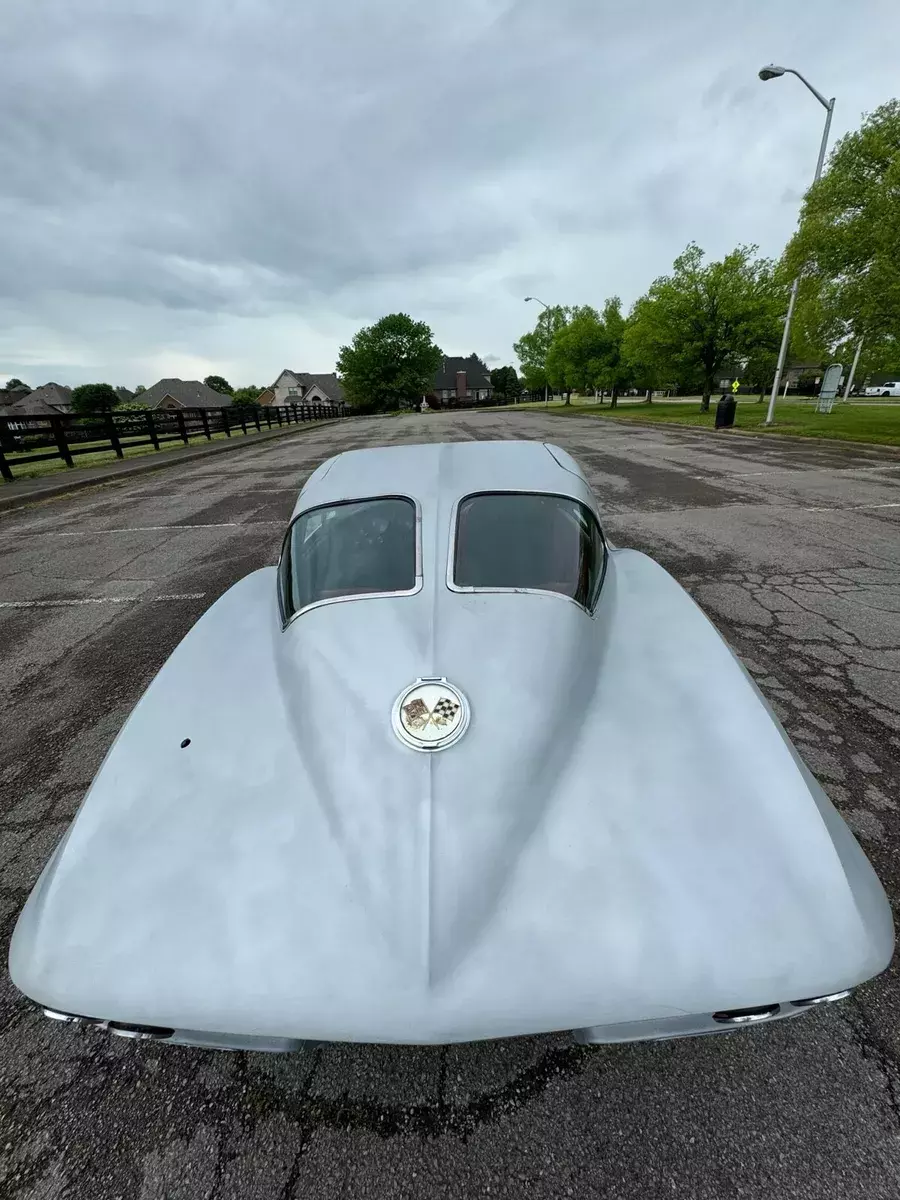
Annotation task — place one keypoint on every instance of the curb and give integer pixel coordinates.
(701, 431)
(142, 466)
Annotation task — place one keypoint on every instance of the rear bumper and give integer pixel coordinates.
(697, 1025)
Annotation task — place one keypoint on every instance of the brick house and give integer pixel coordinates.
(463, 381)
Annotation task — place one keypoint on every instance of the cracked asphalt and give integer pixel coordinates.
(792, 548)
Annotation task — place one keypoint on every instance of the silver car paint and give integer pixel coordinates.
(623, 841)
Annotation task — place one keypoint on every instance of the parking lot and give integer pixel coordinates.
(792, 548)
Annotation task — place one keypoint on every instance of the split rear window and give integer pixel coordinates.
(523, 541)
(358, 548)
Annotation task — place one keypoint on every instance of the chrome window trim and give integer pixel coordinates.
(356, 596)
(469, 591)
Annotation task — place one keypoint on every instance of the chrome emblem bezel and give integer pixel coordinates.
(431, 714)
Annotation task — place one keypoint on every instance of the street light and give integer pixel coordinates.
(774, 72)
(547, 309)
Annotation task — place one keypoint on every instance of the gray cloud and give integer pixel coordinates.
(242, 183)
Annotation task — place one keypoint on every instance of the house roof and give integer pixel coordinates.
(477, 374)
(25, 404)
(191, 393)
(54, 397)
(329, 384)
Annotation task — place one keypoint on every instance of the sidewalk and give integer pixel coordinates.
(61, 483)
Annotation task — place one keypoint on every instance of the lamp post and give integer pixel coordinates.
(773, 72)
(546, 388)
(859, 346)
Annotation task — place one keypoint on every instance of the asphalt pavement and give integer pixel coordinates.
(793, 549)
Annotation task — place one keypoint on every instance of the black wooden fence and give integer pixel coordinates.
(35, 439)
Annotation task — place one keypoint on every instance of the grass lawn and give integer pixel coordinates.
(846, 422)
(101, 458)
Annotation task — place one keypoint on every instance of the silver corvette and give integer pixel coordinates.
(455, 769)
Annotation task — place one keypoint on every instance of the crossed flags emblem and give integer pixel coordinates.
(419, 716)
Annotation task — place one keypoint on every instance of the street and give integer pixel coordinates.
(792, 548)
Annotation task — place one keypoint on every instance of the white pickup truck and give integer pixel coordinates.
(884, 389)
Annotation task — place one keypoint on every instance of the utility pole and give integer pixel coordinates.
(773, 72)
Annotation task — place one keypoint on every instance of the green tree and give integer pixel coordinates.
(219, 384)
(849, 234)
(616, 371)
(821, 333)
(576, 355)
(16, 385)
(818, 325)
(140, 388)
(758, 371)
(880, 356)
(691, 322)
(388, 364)
(505, 382)
(533, 347)
(247, 396)
(94, 397)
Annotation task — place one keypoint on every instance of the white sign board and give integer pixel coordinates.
(829, 388)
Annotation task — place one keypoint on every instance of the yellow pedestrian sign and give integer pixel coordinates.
(735, 384)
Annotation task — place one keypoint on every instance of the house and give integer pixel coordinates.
(25, 410)
(796, 370)
(304, 387)
(27, 404)
(51, 399)
(877, 378)
(463, 380)
(183, 393)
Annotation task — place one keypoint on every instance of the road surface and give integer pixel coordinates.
(792, 548)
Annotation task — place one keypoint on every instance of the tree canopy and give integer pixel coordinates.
(505, 382)
(849, 232)
(247, 396)
(692, 322)
(16, 385)
(533, 347)
(576, 355)
(616, 371)
(219, 384)
(94, 397)
(388, 364)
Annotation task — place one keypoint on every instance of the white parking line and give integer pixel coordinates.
(853, 507)
(136, 528)
(99, 600)
(157, 528)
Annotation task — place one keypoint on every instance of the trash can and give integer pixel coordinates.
(725, 411)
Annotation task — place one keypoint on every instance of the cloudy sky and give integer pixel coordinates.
(189, 186)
